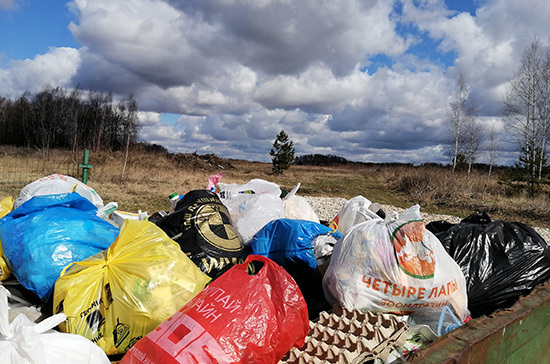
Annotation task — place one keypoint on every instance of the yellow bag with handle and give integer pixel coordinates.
(122, 293)
(6, 205)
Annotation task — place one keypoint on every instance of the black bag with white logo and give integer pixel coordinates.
(202, 227)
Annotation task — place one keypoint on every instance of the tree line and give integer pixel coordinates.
(56, 118)
(526, 113)
(320, 160)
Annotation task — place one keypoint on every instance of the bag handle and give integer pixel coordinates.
(49, 323)
(255, 258)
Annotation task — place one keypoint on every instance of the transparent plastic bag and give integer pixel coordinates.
(56, 184)
(296, 207)
(251, 205)
(25, 342)
(394, 265)
(355, 211)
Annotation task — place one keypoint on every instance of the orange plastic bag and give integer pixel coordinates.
(122, 293)
(238, 318)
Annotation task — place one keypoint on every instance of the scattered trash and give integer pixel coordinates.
(6, 206)
(213, 181)
(288, 242)
(122, 293)
(394, 265)
(291, 244)
(56, 184)
(238, 318)
(47, 232)
(251, 211)
(501, 260)
(106, 211)
(118, 217)
(349, 336)
(245, 273)
(356, 210)
(24, 342)
(296, 207)
(440, 320)
(202, 227)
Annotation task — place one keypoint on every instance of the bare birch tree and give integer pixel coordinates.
(473, 134)
(526, 109)
(456, 114)
(492, 147)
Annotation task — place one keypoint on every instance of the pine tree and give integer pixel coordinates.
(282, 153)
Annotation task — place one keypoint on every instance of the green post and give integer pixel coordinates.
(85, 166)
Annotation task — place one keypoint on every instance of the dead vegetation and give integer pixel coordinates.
(150, 177)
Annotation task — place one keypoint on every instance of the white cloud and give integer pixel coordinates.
(54, 68)
(240, 71)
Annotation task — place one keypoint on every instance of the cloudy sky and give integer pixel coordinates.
(365, 80)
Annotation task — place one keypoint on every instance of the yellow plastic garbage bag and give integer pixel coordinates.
(6, 205)
(122, 293)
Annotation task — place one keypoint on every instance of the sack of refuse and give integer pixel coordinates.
(24, 342)
(394, 265)
(201, 225)
(298, 246)
(122, 293)
(6, 206)
(239, 318)
(297, 208)
(251, 205)
(289, 242)
(55, 184)
(356, 210)
(46, 233)
(501, 261)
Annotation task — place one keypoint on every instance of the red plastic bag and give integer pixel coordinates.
(238, 318)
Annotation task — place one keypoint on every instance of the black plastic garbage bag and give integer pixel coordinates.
(202, 227)
(501, 261)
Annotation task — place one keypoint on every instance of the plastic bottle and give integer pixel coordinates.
(441, 320)
(107, 210)
(228, 195)
(174, 198)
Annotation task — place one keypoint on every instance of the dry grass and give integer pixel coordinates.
(149, 178)
(440, 190)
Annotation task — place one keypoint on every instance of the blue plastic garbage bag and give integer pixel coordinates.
(289, 241)
(46, 233)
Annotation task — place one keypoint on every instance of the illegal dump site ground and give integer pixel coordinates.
(356, 289)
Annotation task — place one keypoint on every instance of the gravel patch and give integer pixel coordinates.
(327, 208)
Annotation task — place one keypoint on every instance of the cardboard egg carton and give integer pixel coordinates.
(348, 337)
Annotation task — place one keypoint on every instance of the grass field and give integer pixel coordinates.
(146, 179)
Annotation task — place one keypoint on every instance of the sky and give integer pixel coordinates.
(369, 81)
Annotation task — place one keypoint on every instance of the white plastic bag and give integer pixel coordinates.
(56, 184)
(251, 205)
(25, 342)
(355, 210)
(394, 265)
(297, 207)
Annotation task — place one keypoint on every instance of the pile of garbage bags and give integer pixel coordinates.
(236, 273)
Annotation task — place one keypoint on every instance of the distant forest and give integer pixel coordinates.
(329, 160)
(320, 160)
(54, 118)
